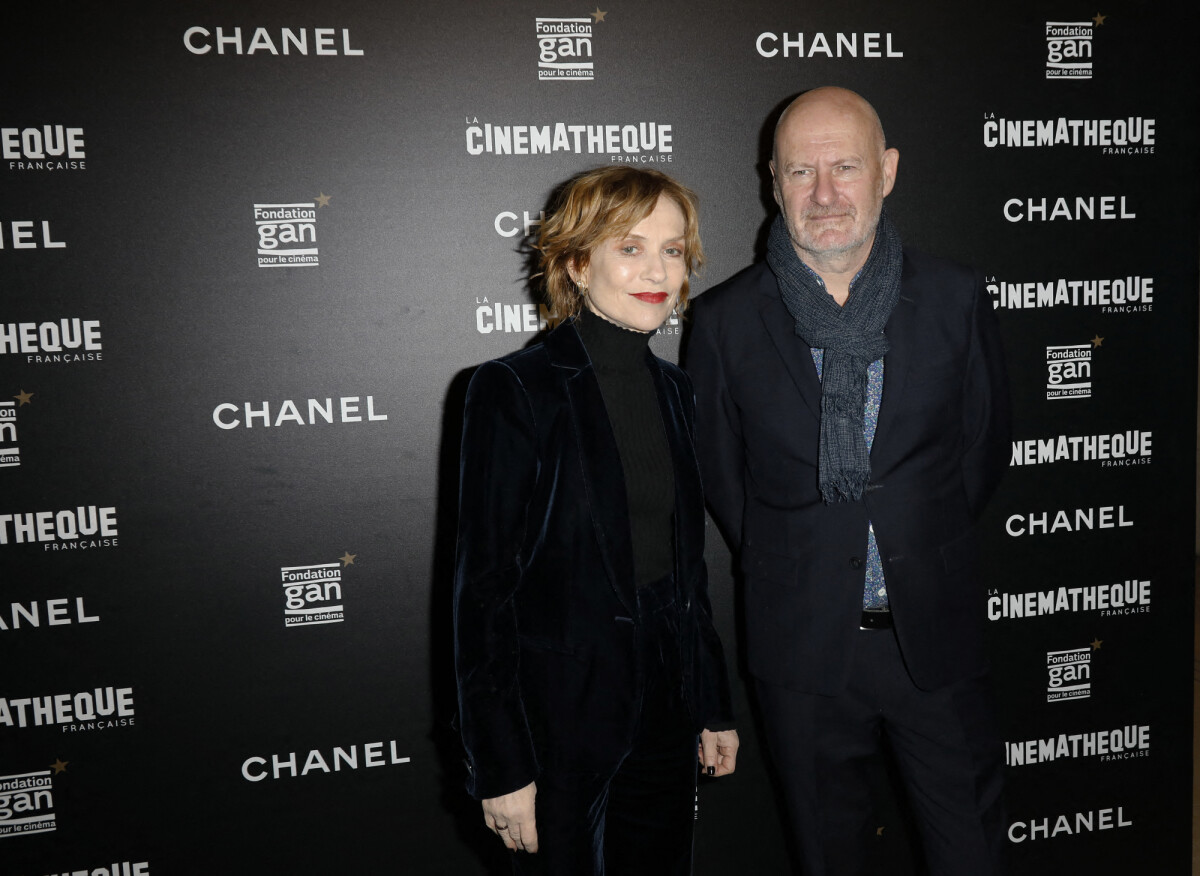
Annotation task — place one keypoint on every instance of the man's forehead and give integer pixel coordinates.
(823, 131)
(847, 139)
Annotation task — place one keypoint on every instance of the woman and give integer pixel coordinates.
(586, 656)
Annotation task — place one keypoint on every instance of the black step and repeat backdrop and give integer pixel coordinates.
(249, 253)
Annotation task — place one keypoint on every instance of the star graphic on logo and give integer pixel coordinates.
(59, 765)
(322, 200)
(598, 15)
(348, 558)
(23, 398)
(1096, 644)
(1097, 341)
(1099, 19)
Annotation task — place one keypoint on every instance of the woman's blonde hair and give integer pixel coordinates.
(599, 205)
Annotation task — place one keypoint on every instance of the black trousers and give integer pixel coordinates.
(634, 816)
(945, 743)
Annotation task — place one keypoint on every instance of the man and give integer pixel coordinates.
(852, 422)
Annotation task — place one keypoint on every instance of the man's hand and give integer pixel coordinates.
(718, 751)
(510, 817)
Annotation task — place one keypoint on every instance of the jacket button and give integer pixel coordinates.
(855, 563)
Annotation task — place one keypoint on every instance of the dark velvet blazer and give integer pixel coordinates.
(940, 447)
(544, 598)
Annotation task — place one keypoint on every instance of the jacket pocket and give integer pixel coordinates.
(960, 552)
(771, 567)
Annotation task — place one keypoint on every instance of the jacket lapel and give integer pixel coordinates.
(796, 355)
(898, 361)
(599, 459)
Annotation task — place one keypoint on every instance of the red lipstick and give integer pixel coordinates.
(651, 297)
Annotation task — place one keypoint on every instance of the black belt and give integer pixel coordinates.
(876, 620)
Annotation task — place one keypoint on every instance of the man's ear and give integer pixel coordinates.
(891, 160)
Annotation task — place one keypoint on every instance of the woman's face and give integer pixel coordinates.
(634, 281)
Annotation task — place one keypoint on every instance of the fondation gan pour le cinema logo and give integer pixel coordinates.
(287, 233)
(27, 803)
(564, 47)
(1069, 48)
(312, 594)
(1069, 673)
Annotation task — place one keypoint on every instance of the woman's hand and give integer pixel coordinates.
(718, 751)
(510, 817)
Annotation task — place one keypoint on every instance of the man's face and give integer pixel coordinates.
(831, 175)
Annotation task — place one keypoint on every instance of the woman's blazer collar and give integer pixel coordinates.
(600, 458)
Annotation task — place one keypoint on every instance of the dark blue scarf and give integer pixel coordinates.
(852, 338)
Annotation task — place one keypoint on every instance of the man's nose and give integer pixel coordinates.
(824, 191)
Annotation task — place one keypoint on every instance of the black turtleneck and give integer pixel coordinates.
(619, 357)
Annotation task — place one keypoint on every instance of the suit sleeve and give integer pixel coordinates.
(987, 419)
(497, 472)
(716, 707)
(719, 444)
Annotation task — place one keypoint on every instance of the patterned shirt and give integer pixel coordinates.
(875, 588)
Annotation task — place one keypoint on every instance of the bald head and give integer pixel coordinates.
(830, 102)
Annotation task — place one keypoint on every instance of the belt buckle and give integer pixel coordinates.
(876, 620)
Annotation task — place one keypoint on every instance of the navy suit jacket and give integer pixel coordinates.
(545, 605)
(941, 445)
